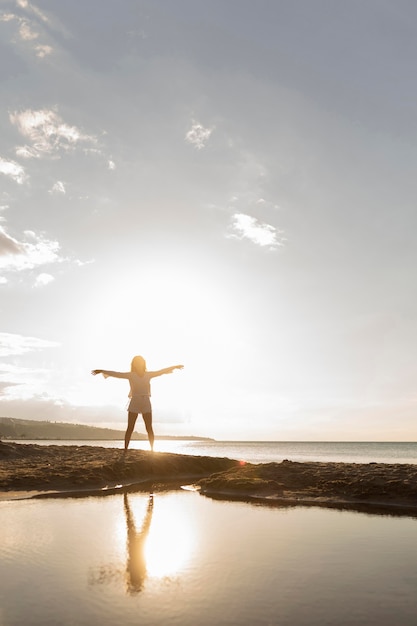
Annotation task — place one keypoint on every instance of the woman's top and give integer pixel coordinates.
(139, 385)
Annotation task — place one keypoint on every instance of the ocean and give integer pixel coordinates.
(274, 451)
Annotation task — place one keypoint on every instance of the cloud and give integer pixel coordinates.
(247, 227)
(42, 50)
(32, 252)
(250, 199)
(17, 381)
(28, 31)
(198, 135)
(25, 152)
(8, 245)
(58, 187)
(47, 132)
(13, 170)
(24, 4)
(43, 279)
(7, 17)
(15, 345)
(5, 385)
(18, 255)
(111, 165)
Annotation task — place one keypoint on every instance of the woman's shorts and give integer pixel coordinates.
(140, 404)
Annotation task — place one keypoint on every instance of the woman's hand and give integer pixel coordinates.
(95, 372)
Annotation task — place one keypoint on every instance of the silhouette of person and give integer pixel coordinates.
(136, 562)
(140, 394)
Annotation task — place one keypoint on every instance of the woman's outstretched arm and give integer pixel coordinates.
(107, 373)
(166, 370)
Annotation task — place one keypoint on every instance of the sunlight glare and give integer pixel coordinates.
(168, 545)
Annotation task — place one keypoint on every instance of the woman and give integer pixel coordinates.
(140, 393)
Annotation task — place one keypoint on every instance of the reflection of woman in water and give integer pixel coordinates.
(140, 392)
(136, 562)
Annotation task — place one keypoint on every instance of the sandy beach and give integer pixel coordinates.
(29, 470)
(353, 485)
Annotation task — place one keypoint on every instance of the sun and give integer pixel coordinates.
(166, 312)
(169, 314)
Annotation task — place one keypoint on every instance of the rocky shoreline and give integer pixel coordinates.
(31, 470)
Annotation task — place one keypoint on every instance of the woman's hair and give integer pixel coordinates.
(138, 365)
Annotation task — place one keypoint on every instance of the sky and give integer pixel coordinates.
(228, 185)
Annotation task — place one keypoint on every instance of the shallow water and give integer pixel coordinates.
(180, 558)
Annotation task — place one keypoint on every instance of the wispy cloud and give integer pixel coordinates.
(13, 170)
(26, 33)
(5, 385)
(32, 8)
(252, 199)
(247, 227)
(13, 345)
(47, 132)
(31, 252)
(8, 245)
(198, 135)
(43, 279)
(21, 255)
(25, 152)
(7, 17)
(28, 28)
(42, 50)
(58, 188)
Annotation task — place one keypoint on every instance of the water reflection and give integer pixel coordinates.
(135, 571)
(157, 545)
(205, 563)
(136, 541)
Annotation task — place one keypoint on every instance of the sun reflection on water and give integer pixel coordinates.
(168, 546)
(160, 546)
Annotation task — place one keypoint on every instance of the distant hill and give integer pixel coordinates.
(11, 428)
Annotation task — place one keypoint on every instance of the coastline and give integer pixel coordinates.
(369, 487)
(32, 470)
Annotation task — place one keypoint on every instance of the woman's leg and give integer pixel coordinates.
(147, 418)
(131, 421)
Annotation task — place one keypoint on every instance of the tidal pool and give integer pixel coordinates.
(179, 558)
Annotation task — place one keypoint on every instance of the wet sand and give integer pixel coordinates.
(370, 484)
(28, 470)
(33, 470)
